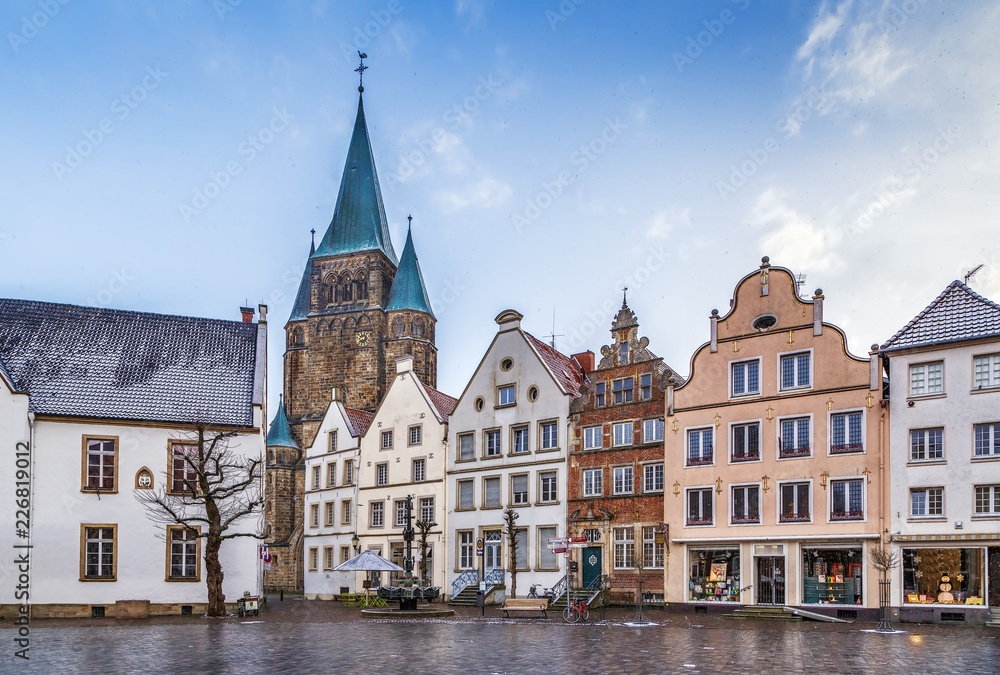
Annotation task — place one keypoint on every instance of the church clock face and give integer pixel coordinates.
(363, 338)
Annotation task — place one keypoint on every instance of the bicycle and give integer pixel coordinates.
(576, 610)
(546, 593)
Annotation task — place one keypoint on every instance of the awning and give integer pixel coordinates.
(945, 537)
(368, 561)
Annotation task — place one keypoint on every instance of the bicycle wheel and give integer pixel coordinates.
(571, 614)
(585, 612)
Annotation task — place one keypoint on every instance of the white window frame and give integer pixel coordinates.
(506, 395)
(548, 494)
(992, 492)
(925, 432)
(490, 449)
(459, 438)
(924, 387)
(846, 413)
(780, 372)
(425, 509)
(649, 472)
(653, 553)
(348, 472)
(387, 439)
(812, 499)
(520, 431)
(863, 480)
(382, 474)
(376, 513)
(623, 434)
(991, 372)
(593, 482)
(732, 441)
(499, 504)
(419, 470)
(732, 503)
(466, 541)
(623, 550)
(779, 436)
(700, 489)
(733, 365)
(345, 512)
(332, 447)
(459, 506)
(331, 474)
(399, 509)
(926, 515)
(593, 438)
(317, 472)
(992, 441)
(518, 498)
(544, 441)
(701, 446)
(627, 477)
(652, 430)
(415, 435)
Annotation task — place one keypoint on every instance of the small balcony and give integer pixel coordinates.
(748, 457)
(846, 448)
(699, 461)
(786, 452)
(746, 520)
(698, 521)
(847, 515)
(793, 518)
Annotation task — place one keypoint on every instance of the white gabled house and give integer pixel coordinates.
(107, 400)
(944, 466)
(331, 499)
(507, 446)
(403, 454)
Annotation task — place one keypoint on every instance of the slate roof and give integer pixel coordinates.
(959, 313)
(359, 420)
(562, 367)
(116, 364)
(300, 310)
(359, 222)
(280, 434)
(408, 290)
(442, 402)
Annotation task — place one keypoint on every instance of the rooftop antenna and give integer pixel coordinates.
(553, 335)
(800, 279)
(971, 273)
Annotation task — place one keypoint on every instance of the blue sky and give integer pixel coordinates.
(549, 152)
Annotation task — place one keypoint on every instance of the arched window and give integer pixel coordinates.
(270, 456)
(298, 337)
(281, 458)
(361, 287)
(418, 327)
(623, 353)
(346, 288)
(398, 327)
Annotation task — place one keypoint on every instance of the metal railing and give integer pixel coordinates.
(495, 577)
(464, 580)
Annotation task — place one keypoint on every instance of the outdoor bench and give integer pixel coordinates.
(525, 605)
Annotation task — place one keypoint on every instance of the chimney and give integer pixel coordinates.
(714, 330)
(247, 313)
(586, 360)
(818, 312)
(333, 395)
(262, 309)
(876, 375)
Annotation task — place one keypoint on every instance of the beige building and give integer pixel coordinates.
(773, 453)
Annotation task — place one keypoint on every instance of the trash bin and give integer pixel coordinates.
(480, 598)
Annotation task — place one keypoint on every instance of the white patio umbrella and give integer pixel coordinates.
(368, 561)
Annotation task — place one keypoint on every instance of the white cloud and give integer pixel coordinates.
(665, 220)
(473, 11)
(824, 30)
(488, 193)
(792, 239)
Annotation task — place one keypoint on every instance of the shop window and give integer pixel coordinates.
(714, 575)
(832, 576)
(946, 576)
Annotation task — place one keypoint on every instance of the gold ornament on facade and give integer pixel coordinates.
(822, 479)
(871, 400)
(866, 473)
(677, 488)
(674, 425)
(790, 340)
(718, 420)
(770, 413)
(736, 346)
(829, 404)
(765, 479)
(718, 486)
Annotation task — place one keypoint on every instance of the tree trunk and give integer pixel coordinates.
(213, 568)
(513, 583)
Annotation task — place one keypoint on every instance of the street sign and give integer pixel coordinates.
(479, 546)
(557, 549)
(562, 541)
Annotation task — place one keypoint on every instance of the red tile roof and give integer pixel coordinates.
(445, 404)
(563, 368)
(360, 420)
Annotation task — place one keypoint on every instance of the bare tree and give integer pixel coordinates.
(510, 517)
(210, 490)
(884, 560)
(423, 532)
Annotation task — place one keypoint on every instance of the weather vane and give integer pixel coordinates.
(360, 70)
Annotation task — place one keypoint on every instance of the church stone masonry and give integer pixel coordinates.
(357, 310)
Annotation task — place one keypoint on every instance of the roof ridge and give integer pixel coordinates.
(135, 312)
(958, 291)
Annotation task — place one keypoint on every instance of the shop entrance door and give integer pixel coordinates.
(770, 580)
(993, 576)
(591, 565)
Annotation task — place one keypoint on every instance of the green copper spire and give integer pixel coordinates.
(300, 310)
(280, 434)
(408, 290)
(359, 222)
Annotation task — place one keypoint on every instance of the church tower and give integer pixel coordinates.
(339, 334)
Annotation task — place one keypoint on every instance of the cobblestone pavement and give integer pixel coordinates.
(313, 637)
